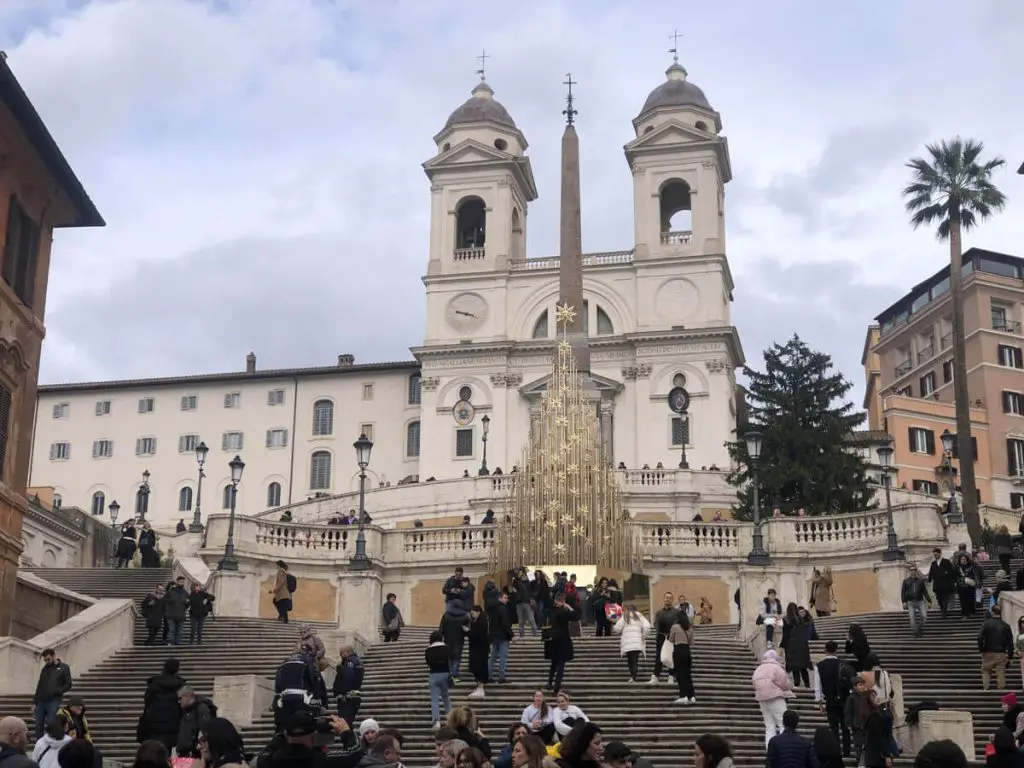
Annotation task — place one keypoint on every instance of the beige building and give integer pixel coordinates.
(912, 363)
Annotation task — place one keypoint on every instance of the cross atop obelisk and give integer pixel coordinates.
(570, 265)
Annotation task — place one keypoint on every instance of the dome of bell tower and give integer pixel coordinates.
(481, 107)
(675, 93)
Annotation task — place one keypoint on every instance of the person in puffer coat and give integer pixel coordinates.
(771, 689)
(161, 716)
(633, 629)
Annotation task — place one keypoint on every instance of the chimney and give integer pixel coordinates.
(250, 363)
(344, 361)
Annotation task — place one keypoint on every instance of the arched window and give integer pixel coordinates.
(466, 393)
(676, 216)
(414, 389)
(57, 501)
(412, 439)
(540, 328)
(604, 323)
(225, 501)
(320, 471)
(140, 503)
(700, 125)
(185, 499)
(517, 235)
(679, 380)
(323, 417)
(274, 495)
(99, 503)
(470, 224)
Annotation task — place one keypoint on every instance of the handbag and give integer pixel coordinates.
(833, 604)
(666, 655)
(968, 582)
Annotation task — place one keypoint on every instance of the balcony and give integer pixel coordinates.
(468, 254)
(680, 237)
(946, 341)
(926, 353)
(903, 368)
(1006, 326)
(589, 260)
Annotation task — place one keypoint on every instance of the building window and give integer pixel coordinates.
(604, 323)
(955, 453)
(680, 431)
(233, 400)
(189, 402)
(1015, 457)
(274, 495)
(58, 501)
(21, 252)
(947, 372)
(414, 389)
(679, 380)
(464, 443)
(277, 438)
(367, 391)
(320, 471)
(5, 423)
(906, 391)
(927, 383)
(540, 328)
(141, 503)
(188, 443)
(60, 451)
(229, 492)
(275, 397)
(1013, 402)
(921, 440)
(146, 405)
(925, 486)
(1017, 501)
(102, 407)
(99, 503)
(102, 449)
(366, 429)
(412, 440)
(323, 417)
(231, 441)
(466, 393)
(185, 499)
(145, 446)
(61, 410)
(999, 317)
(1010, 357)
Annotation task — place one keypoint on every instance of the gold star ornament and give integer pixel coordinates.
(564, 314)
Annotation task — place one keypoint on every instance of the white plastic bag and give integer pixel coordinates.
(666, 655)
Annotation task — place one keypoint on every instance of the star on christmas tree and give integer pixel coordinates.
(564, 314)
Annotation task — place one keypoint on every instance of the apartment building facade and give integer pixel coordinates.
(913, 377)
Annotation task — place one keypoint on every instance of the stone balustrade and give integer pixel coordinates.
(676, 541)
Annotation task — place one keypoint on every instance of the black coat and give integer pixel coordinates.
(479, 647)
(941, 576)
(162, 713)
(499, 621)
(796, 640)
(835, 686)
(126, 544)
(200, 603)
(791, 750)
(876, 742)
(153, 610)
(558, 642)
(475, 741)
(860, 649)
(176, 603)
(995, 637)
(54, 681)
(193, 718)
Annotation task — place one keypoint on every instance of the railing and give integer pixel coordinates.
(466, 537)
(680, 237)
(666, 539)
(903, 368)
(1006, 326)
(503, 483)
(926, 353)
(588, 259)
(860, 528)
(468, 254)
(658, 476)
(298, 536)
(946, 341)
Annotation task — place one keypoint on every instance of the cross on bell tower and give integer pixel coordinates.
(674, 50)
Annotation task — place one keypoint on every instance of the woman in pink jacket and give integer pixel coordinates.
(771, 689)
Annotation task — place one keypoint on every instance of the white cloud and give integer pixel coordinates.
(258, 162)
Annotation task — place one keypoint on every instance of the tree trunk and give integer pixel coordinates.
(960, 394)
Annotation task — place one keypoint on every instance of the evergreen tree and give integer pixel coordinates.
(798, 404)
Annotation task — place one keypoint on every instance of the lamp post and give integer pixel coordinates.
(486, 422)
(197, 523)
(758, 554)
(363, 446)
(114, 508)
(144, 490)
(229, 562)
(952, 509)
(892, 553)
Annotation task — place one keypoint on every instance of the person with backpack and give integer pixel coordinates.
(284, 587)
(196, 713)
(391, 620)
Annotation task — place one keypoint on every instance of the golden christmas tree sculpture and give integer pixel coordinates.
(564, 507)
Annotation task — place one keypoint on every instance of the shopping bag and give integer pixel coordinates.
(666, 654)
(613, 611)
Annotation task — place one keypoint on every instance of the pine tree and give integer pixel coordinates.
(798, 404)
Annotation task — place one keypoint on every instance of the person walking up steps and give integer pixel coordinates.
(663, 621)
(996, 644)
(942, 579)
(914, 594)
(559, 648)
(771, 689)
(438, 677)
(499, 622)
(681, 637)
(479, 650)
(633, 629)
(797, 633)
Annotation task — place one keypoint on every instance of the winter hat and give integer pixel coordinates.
(369, 724)
(1000, 574)
(1010, 699)
(771, 656)
(76, 701)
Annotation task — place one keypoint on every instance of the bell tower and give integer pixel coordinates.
(481, 184)
(680, 164)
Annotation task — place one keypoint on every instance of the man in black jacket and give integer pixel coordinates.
(297, 685)
(663, 621)
(296, 747)
(789, 749)
(500, 621)
(995, 641)
(914, 594)
(176, 603)
(347, 684)
(835, 687)
(196, 712)
(200, 605)
(942, 579)
(54, 682)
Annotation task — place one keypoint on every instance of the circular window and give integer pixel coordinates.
(501, 144)
(466, 393)
(679, 380)
(446, 147)
(648, 129)
(701, 125)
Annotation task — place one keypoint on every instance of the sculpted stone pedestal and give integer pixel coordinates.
(360, 598)
(890, 577)
(237, 593)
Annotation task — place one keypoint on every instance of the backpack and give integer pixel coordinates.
(292, 582)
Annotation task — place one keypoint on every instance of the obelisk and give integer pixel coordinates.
(570, 266)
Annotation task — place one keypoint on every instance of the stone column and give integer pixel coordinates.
(237, 593)
(607, 441)
(360, 598)
(890, 583)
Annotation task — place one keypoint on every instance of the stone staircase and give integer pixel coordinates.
(100, 583)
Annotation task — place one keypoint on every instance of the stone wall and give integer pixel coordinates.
(40, 606)
(314, 600)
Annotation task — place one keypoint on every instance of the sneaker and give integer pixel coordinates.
(436, 726)
(631, 681)
(456, 679)
(477, 694)
(653, 681)
(682, 700)
(693, 700)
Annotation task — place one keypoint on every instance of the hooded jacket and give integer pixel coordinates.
(47, 749)
(162, 713)
(80, 723)
(634, 634)
(770, 679)
(193, 718)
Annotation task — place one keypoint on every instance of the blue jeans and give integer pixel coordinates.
(455, 656)
(499, 658)
(195, 628)
(174, 631)
(44, 711)
(439, 695)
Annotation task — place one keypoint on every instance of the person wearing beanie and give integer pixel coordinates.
(368, 730)
(73, 715)
(1013, 715)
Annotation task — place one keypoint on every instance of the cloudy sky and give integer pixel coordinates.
(258, 161)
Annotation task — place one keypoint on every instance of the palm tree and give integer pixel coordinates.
(953, 188)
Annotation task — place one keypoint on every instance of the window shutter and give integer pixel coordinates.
(284, 437)
(95, 449)
(1018, 358)
(27, 279)
(224, 441)
(13, 236)
(929, 441)
(138, 446)
(1011, 464)
(181, 444)
(227, 401)
(270, 437)
(99, 407)
(974, 447)
(271, 400)
(910, 439)
(1006, 401)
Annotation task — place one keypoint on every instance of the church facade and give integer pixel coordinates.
(656, 316)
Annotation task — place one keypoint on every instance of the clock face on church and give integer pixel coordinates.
(466, 312)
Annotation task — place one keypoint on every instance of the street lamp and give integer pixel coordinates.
(144, 490)
(197, 524)
(952, 510)
(229, 562)
(486, 422)
(892, 552)
(114, 508)
(363, 446)
(758, 554)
